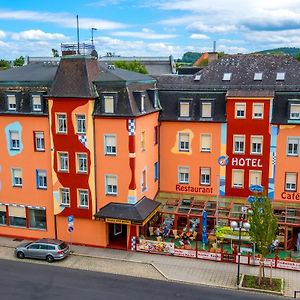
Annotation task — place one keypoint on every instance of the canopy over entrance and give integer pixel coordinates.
(123, 213)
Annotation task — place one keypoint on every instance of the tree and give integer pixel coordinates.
(190, 57)
(4, 64)
(55, 52)
(19, 62)
(297, 56)
(263, 228)
(134, 66)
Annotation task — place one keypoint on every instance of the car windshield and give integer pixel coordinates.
(62, 246)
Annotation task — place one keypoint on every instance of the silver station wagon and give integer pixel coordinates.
(47, 249)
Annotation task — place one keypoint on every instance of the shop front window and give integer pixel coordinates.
(37, 218)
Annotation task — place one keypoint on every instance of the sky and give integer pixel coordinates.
(148, 28)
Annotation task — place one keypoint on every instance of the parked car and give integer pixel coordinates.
(47, 249)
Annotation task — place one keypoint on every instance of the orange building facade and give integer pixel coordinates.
(92, 155)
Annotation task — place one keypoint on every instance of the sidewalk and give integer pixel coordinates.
(188, 270)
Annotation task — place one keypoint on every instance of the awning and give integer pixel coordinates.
(123, 213)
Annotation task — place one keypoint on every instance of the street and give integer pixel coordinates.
(25, 280)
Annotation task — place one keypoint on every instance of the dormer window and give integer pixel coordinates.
(226, 76)
(258, 76)
(12, 103)
(36, 102)
(142, 103)
(109, 104)
(280, 76)
(295, 111)
(184, 109)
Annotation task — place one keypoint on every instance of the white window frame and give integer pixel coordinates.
(11, 102)
(61, 119)
(39, 138)
(109, 104)
(183, 175)
(64, 195)
(17, 180)
(205, 176)
(183, 142)
(256, 140)
(205, 147)
(292, 185)
(36, 102)
(237, 109)
(294, 149)
(63, 161)
(257, 175)
(83, 198)
(111, 188)
(294, 115)
(184, 109)
(82, 162)
(81, 123)
(257, 114)
(241, 140)
(110, 144)
(204, 113)
(41, 178)
(15, 142)
(238, 184)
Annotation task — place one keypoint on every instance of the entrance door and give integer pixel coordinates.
(117, 236)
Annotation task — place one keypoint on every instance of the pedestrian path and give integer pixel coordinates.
(189, 270)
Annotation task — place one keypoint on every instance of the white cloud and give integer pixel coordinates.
(199, 36)
(144, 34)
(62, 19)
(2, 34)
(37, 35)
(104, 3)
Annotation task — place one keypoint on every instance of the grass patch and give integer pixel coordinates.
(252, 282)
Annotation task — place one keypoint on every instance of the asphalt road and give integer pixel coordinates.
(23, 280)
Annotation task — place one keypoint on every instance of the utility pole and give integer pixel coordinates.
(77, 35)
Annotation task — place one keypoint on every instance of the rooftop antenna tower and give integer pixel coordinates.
(77, 35)
(93, 29)
(215, 46)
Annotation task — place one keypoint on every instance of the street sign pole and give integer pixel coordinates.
(70, 228)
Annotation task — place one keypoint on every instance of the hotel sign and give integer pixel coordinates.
(248, 162)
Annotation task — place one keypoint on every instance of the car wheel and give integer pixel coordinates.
(49, 258)
(20, 255)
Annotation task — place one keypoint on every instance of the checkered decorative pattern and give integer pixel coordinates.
(273, 158)
(83, 140)
(133, 243)
(131, 126)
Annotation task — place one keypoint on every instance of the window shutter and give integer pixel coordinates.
(184, 109)
(184, 137)
(2, 207)
(111, 180)
(291, 178)
(11, 99)
(255, 177)
(238, 177)
(109, 104)
(18, 173)
(206, 110)
(295, 108)
(110, 141)
(17, 212)
(36, 100)
(258, 109)
(14, 135)
(205, 142)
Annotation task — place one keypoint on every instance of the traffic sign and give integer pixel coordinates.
(251, 199)
(71, 221)
(256, 188)
(71, 229)
(223, 160)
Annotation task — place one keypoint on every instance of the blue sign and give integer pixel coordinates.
(71, 228)
(256, 188)
(70, 220)
(223, 160)
(204, 227)
(251, 199)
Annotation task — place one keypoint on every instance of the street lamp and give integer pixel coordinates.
(241, 225)
(93, 29)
